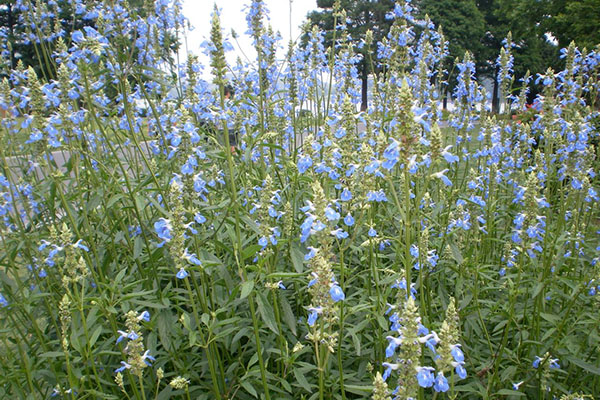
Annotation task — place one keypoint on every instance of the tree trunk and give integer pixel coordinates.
(445, 99)
(364, 89)
(11, 23)
(495, 97)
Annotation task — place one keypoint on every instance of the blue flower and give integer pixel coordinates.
(346, 195)
(331, 214)
(336, 293)
(388, 369)
(3, 301)
(425, 376)
(441, 175)
(536, 362)
(163, 229)
(122, 336)
(461, 371)
(181, 274)
(191, 257)
(340, 233)
(441, 383)
(449, 157)
(144, 316)
(372, 232)
(304, 163)
(199, 218)
(314, 314)
(414, 251)
(311, 253)
(123, 367)
(392, 346)
(146, 356)
(263, 242)
(77, 36)
(349, 220)
(516, 386)
(81, 246)
(457, 353)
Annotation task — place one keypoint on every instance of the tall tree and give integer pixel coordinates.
(526, 20)
(574, 20)
(463, 26)
(362, 15)
(462, 22)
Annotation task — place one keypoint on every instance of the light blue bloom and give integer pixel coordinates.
(340, 233)
(425, 376)
(461, 371)
(182, 273)
(441, 175)
(336, 292)
(392, 346)
(314, 314)
(346, 195)
(3, 301)
(144, 316)
(388, 369)
(123, 367)
(311, 253)
(441, 383)
(163, 229)
(457, 353)
(349, 220)
(263, 242)
(331, 214)
(304, 163)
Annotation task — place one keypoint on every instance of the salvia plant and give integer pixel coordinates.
(178, 230)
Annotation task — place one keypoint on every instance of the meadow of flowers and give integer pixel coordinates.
(256, 236)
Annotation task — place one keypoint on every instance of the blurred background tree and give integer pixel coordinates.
(362, 15)
(18, 37)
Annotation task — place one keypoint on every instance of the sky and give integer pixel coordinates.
(233, 17)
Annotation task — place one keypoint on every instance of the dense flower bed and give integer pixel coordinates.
(257, 236)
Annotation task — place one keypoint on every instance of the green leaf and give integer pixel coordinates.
(582, 364)
(246, 289)
(137, 247)
(164, 333)
(100, 395)
(356, 342)
(113, 200)
(456, 253)
(302, 380)
(357, 389)
(288, 314)
(266, 312)
(508, 392)
(95, 336)
(297, 259)
(249, 388)
(52, 354)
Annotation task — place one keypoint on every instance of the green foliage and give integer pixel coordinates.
(144, 256)
(575, 20)
(462, 22)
